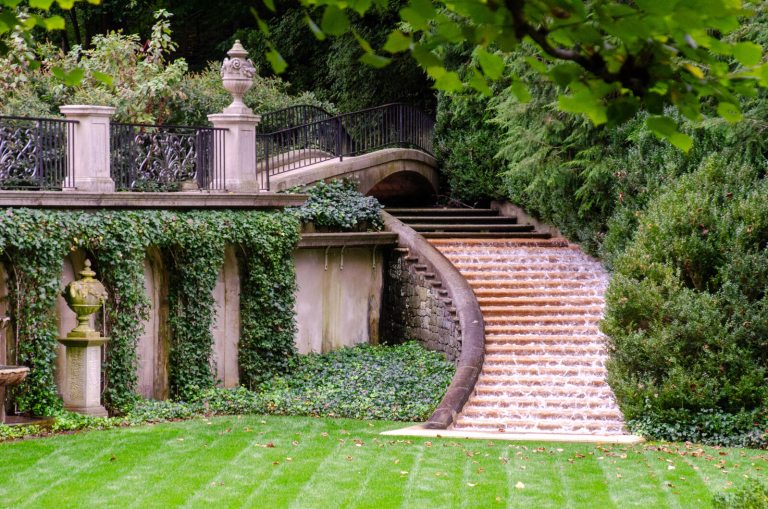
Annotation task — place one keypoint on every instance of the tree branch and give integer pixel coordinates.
(629, 75)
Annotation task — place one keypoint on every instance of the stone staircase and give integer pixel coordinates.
(541, 299)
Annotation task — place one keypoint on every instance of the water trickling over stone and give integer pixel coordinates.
(544, 369)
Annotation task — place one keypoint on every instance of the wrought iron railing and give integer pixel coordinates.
(166, 158)
(293, 116)
(350, 134)
(36, 153)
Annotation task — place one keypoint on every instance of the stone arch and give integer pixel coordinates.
(404, 188)
(67, 320)
(153, 345)
(226, 326)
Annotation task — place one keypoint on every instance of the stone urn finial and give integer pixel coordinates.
(237, 73)
(85, 296)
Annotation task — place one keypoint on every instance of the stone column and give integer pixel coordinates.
(237, 74)
(91, 147)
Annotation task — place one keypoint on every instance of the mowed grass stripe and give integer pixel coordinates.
(396, 460)
(270, 489)
(223, 463)
(630, 484)
(348, 462)
(529, 489)
(242, 472)
(199, 455)
(73, 462)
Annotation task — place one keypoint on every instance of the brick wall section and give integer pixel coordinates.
(415, 306)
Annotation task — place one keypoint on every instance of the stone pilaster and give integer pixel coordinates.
(91, 147)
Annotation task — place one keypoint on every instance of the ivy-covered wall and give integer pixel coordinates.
(33, 244)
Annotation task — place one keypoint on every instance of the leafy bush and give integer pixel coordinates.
(687, 310)
(400, 383)
(751, 495)
(137, 77)
(708, 426)
(338, 205)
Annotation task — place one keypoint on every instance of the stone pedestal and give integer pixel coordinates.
(91, 147)
(82, 393)
(239, 151)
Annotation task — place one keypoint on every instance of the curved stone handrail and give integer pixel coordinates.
(470, 318)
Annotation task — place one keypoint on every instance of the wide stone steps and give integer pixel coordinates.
(484, 234)
(471, 227)
(447, 219)
(522, 274)
(542, 300)
(544, 392)
(440, 211)
(588, 286)
(539, 413)
(543, 339)
(492, 369)
(560, 330)
(568, 425)
(518, 349)
(528, 292)
(552, 403)
(562, 302)
(574, 311)
(507, 266)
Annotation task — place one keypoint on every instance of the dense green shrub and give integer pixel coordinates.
(753, 494)
(338, 205)
(687, 311)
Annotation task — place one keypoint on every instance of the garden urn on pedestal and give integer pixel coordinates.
(237, 74)
(238, 166)
(82, 393)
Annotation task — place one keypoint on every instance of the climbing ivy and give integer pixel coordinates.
(35, 242)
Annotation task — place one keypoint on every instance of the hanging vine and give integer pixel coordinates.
(34, 244)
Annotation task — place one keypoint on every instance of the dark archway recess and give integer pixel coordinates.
(404, 189)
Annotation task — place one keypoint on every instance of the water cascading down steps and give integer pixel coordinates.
(541, 299)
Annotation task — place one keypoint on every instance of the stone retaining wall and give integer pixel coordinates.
(417, 307)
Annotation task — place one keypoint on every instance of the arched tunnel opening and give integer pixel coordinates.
(404, 189)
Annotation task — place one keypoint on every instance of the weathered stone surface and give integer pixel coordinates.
(413, 306)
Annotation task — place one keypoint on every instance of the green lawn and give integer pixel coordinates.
(305, 463)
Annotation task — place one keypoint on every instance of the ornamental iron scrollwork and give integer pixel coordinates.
(161, 158)
(33, 153)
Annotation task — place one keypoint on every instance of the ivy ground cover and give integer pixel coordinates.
(298, 462)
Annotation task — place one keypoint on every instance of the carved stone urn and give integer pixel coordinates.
(237, 73)
(82, 390)
(84, 296)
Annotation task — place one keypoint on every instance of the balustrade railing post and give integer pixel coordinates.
(89, 148)
(338, 139)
